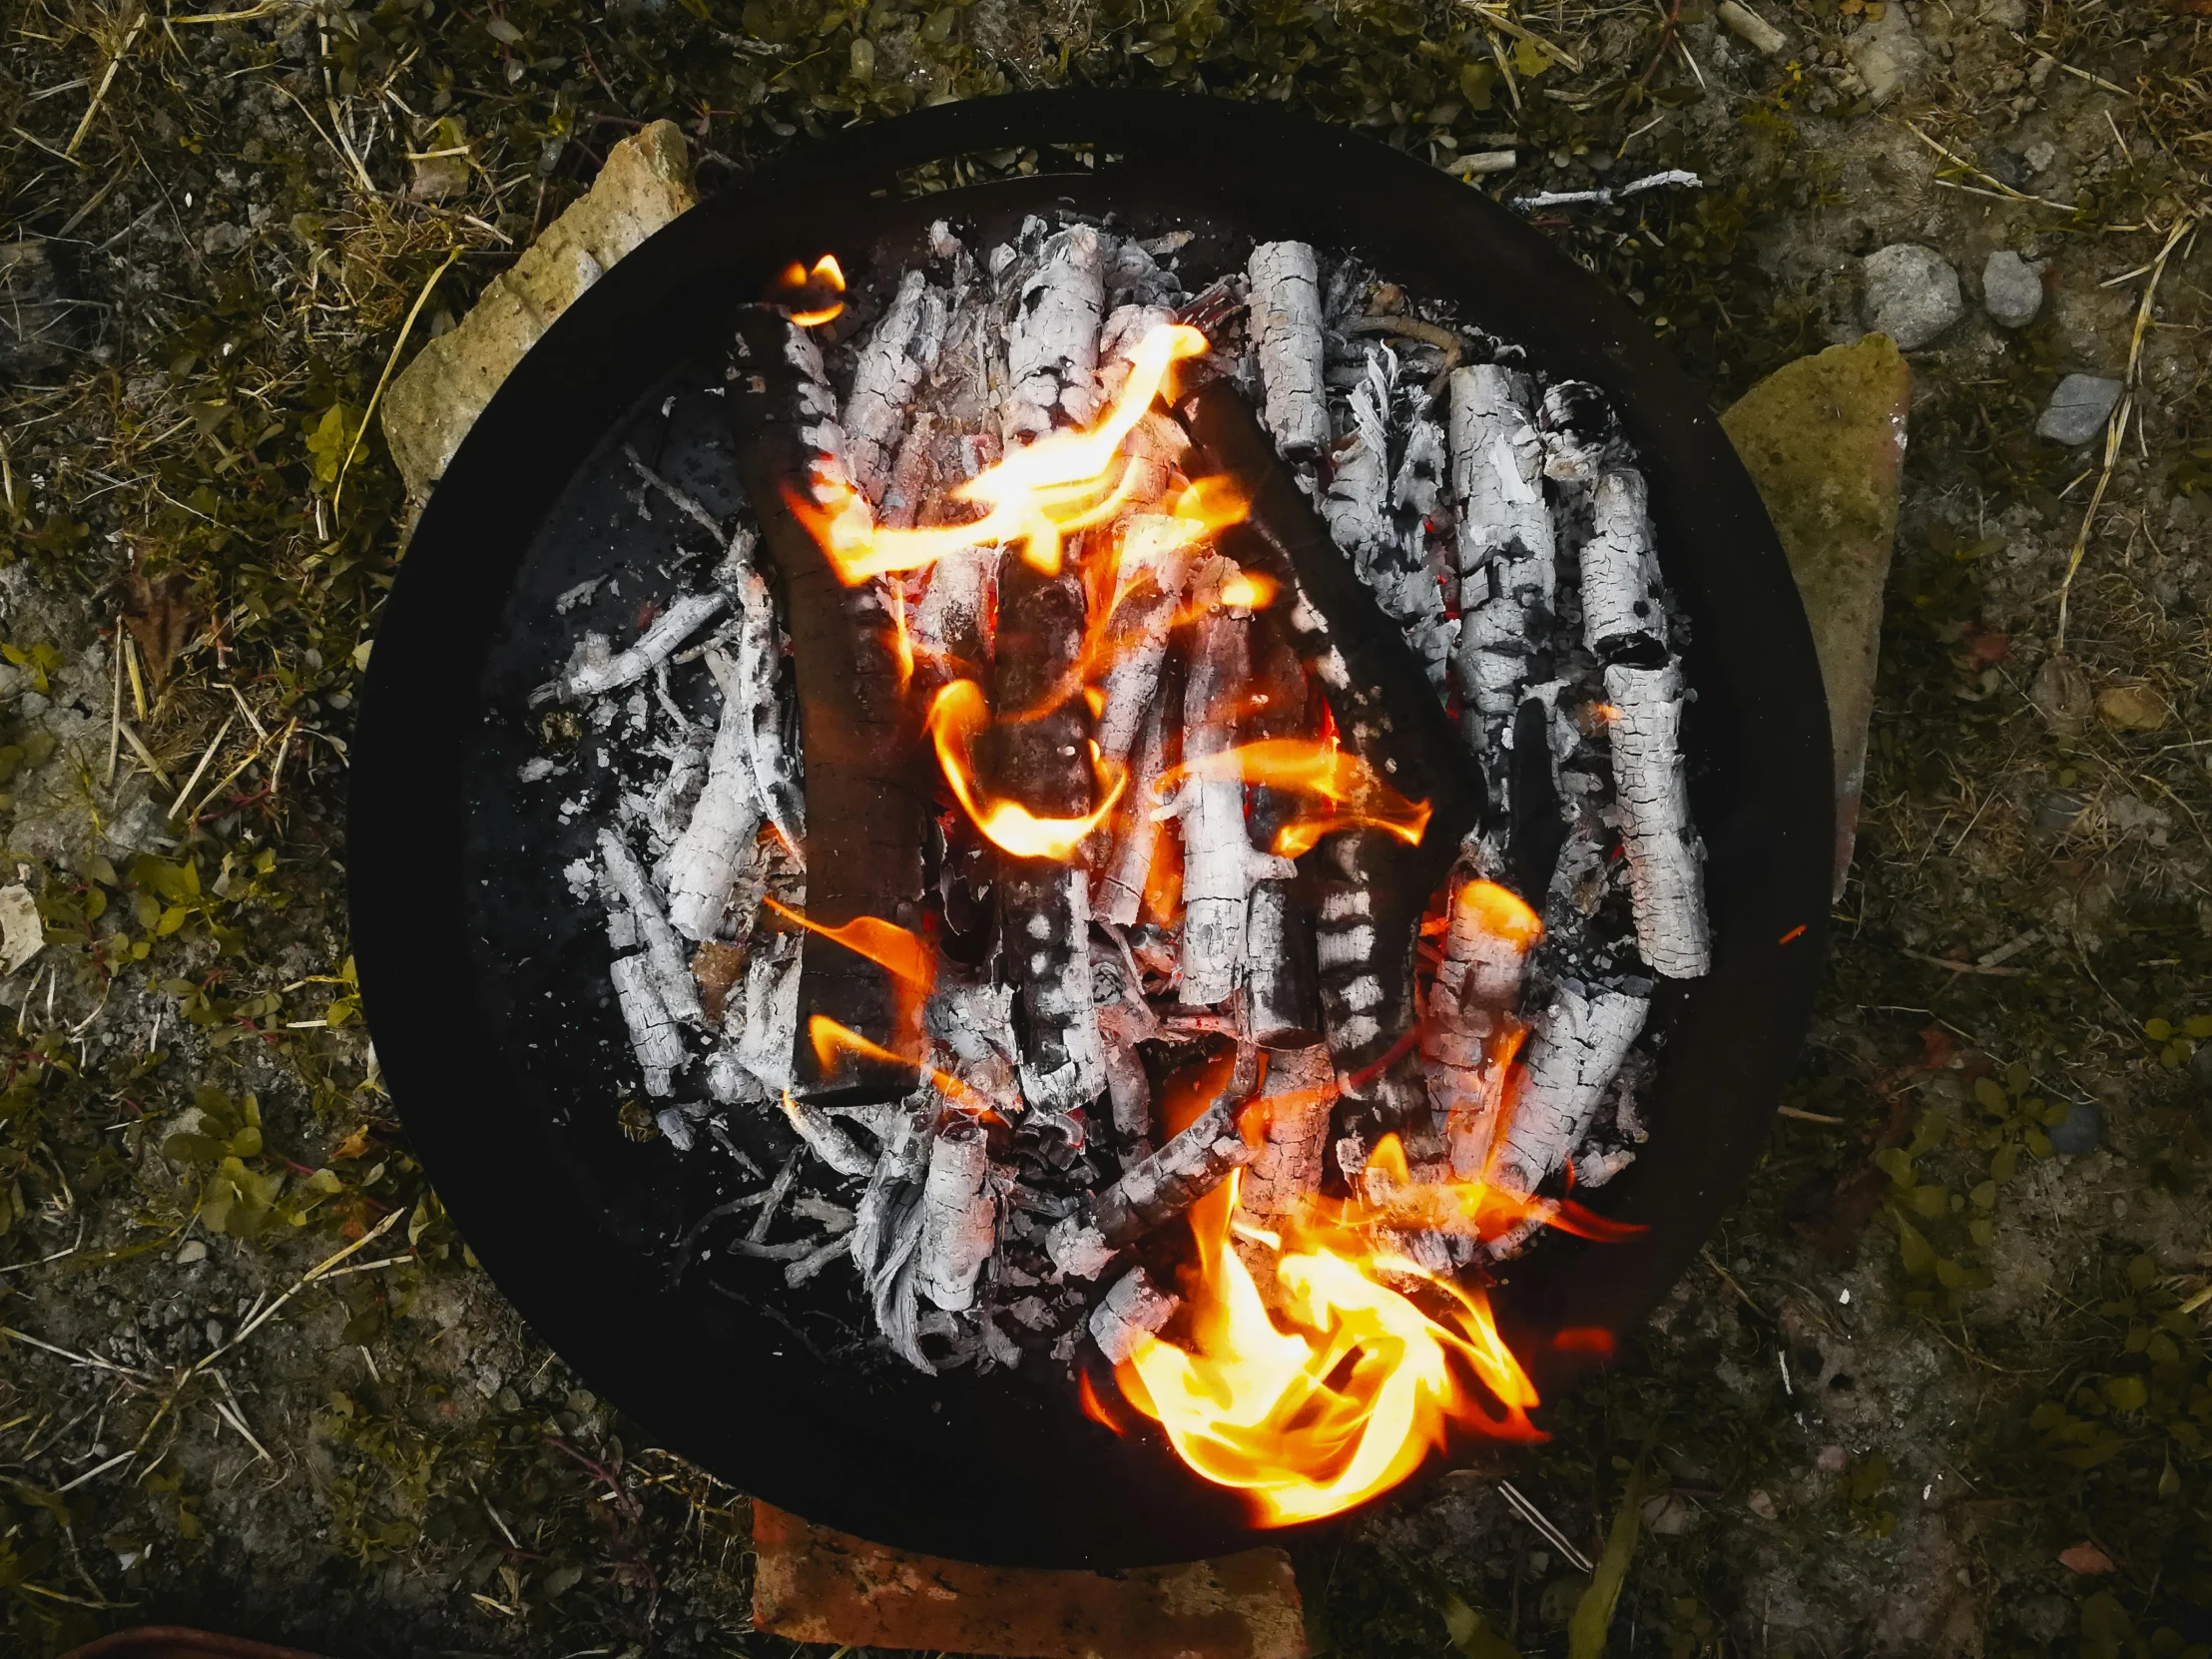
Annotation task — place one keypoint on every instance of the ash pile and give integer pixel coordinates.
(1176, 726)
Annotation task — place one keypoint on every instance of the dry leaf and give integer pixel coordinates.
(356, 1143)
(2085, 1558)
(162, 617)
(22, 935)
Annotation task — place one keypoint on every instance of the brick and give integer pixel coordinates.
(813, 1584)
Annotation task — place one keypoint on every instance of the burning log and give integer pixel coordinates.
(1578, 429)
(1666, 881)
(703, 864)
(1043, 763)
(1286, 330)
(1507, 547)
(1620, 608)
(864, 796)
(1220, 862)
(899, 351)
(1469, 1037)
(1117, 894)
(1373, 884)
(593, 673)
(953, 625)
(1153, 570)
(960, 1217)
(1281, 995)
(1124, 1020)
(1300, 1093)
(1052, 338)
(1134, 1308)
(1578, 1046)
(653, 1035)
(824, 1139)
(664, 957)
(1150, 1192)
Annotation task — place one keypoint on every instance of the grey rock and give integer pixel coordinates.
(2058, 811)
(2078, 408)
(2079, 1130)
(1912, 294)
(2011, 290)
(35, 324)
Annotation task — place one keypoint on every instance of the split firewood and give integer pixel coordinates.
(593, 672)
(887, 1229)
(864, 795)
(1042, 760)
(1285, 330)
(653, 1035)
(970, 1024)
(1621, 615)
(1281, 1003)
(1356, 502)
(1150, 1192)
(1469, 1038)
(1151, 574)
(1134, 1308)
(1220, 863)
(1575, 1050)
(898, 351)
(665, 953)
(959, 1216)
(1666, 881)
(1394, 563)
(1052, 337)
(1296, 1102)
(703, 864)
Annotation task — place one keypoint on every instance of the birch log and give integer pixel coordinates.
(1133, 1309)
(1285, 332)
(1620, 577)
(1507, 547)
(1297, 1099)
(1576, 1048)
(1117, 892)
(1124, 1020)
(654, 1036)
(773, 976)
(1666, 882)
(1052, 337)
(960, 1217)
(1152, 570)
(758, 669)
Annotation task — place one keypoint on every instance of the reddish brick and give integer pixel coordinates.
(813, 1584)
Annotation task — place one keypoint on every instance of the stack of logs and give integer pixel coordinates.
(1444, 573)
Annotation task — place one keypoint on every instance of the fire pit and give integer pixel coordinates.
(1253, 926)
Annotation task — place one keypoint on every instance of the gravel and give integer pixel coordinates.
(2078, 408)
(1912, 294)
(2011, 290)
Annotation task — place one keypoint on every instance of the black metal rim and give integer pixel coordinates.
(956, 1467)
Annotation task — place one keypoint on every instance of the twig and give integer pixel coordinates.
(222, 732)
(129, 36)
(1998, 185)
(1963, 968)
(2115, 426)
(1542, 1523)
(74, 1357)
(2077, 74)
(100, 1468)
(390, 362)
(246, 16)
(1493, 14)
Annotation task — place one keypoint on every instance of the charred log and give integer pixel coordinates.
(1286, 330)
(1152, 1192)
(1666, 879)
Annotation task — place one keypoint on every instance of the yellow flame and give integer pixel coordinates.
(957, 716)
(811, 294)
(1498, 911)
(1350, 789)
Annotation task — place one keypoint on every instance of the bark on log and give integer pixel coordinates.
(1052, 337)
(703, 864)
(1506, 546)
(1117, 892)
(1621, 615)
(865, 793)
(1282, 991)
(1285, 330)
(1298, 1098)
(1576, 1049)
(1134, 1308)
(1666, 879)
(1396, 566)
(1150, 578)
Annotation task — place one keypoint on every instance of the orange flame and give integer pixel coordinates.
(956, 716)
(1350, 789)
(1500, 913)
(811, 295)
(906, 957)
(1032, 499)
(831, 1039)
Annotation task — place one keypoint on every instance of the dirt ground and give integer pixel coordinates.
(1939, 1383)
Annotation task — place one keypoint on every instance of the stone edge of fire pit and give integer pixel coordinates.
(1823, 441)
(814, 1584)
(646, 183)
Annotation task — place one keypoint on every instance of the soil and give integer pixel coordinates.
(1939, 1383)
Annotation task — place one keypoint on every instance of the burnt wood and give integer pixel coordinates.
(506, 1062)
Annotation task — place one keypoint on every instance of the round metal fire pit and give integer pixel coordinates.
(486, 985)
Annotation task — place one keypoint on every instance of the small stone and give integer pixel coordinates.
(2040, 155)
(1760, 1505)
(2085, 1558)
(1886, 54)
(1764, 36)
(2133, 707)
(1669, 1515)
(2079, 1131)
(2058, 811)
(2011, 290)
(1834, 1459)
(1912, 294)
(1823, 439)
(194, 1250)
(2078, 408)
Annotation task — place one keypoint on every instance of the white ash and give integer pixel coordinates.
(595, 670)
(959, 1216)
(1285, 332)
(903, 347)
(1133, 1308)
(1576, 1048)
(652, 1033)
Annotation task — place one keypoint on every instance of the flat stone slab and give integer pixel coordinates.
(813, 1584)
(436, 398)
(1824, 439)
(2079, 406)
